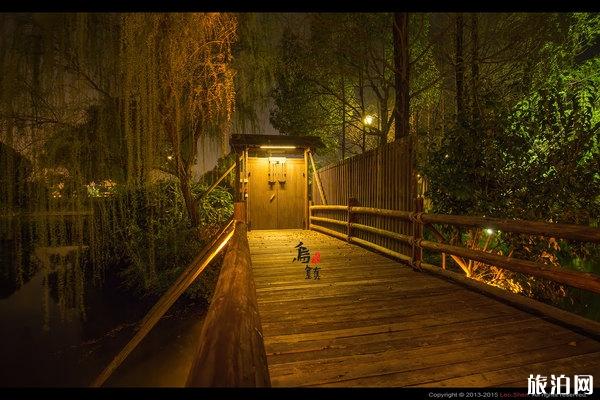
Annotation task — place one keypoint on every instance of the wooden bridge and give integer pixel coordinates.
(379, 315)
(370, 320)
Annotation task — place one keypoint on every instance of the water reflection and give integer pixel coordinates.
(42, 299)
(60, 328)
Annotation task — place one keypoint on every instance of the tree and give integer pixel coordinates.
(156, 82)
(345, 71)
(459, 68)
(401, 74)
(254, 57)
(197, 93)
(526, 145)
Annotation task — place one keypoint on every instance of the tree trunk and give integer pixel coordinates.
(401, 74)
(361, 95)
(476, 114)
(190, 203)
(343, 119)
(364, 140)
(459, 71)
(380, 129)
(443, 112)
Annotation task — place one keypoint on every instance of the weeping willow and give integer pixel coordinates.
(257, 48)
(95, 109)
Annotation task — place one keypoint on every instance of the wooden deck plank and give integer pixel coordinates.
(586, 364)
(299, 322)
(454, 374)
(370, 321)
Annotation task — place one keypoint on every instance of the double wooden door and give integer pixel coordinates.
(277, 190)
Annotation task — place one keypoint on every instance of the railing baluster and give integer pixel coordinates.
(417, 232)
(352, 202)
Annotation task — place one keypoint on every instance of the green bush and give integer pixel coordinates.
(145, 235)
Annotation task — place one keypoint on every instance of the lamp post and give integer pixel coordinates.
(368, 121)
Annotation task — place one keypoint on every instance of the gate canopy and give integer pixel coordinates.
(244, 141)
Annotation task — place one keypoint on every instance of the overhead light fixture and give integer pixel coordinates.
(278, 160)
(277, 147)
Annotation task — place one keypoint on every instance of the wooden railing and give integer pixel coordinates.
(231, 351)
(421, 220)
(346, 228)
(382, 178)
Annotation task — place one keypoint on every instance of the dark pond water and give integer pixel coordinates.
(45, 343)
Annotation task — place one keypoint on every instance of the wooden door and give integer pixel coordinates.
(290, 196)
(276, 193)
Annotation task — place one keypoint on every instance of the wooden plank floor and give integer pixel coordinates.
(370, 321)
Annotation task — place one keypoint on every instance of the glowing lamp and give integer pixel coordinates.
(277, 147)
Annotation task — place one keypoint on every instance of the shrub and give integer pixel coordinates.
(144, 236)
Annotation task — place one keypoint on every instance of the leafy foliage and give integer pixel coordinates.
(121, 99)
(531, 151)
(147, 233)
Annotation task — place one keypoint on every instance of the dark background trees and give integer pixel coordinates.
(503, 109)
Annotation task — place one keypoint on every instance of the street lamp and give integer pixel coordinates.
(368, 125)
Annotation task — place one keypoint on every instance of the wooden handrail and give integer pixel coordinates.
(355, 225)
(366, 243)
(231, 351)
(563, 231)
(317, 179)
(329, 232)
(188, 276)
(461, 263)
(329, 220)
(582, 280)
(406, 215)
(383, 232)
(329, 208)
(560, 231)
(365, 210)
(214, 185)
(562, 317)
(381, 249)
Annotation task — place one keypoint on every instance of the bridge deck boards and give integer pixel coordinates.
(370, 321)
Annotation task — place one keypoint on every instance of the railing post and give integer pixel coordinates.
(239, 211)
(417, 233)
(238, 178)
(352, 202)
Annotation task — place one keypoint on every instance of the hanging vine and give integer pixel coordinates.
(95, 109)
